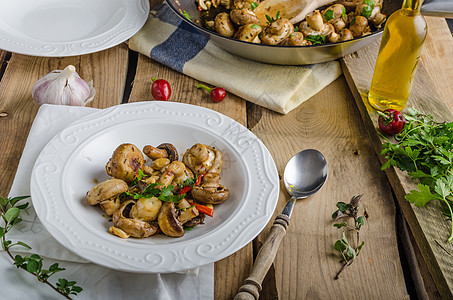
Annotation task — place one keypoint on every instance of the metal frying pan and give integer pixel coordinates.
(282, 55)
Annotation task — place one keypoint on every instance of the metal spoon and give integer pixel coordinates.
(305, 174)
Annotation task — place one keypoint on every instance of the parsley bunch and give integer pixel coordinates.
(425, 151)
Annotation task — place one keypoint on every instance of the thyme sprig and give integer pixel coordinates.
(33, 264)
(348, 210)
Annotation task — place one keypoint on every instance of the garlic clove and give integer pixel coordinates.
(63, 87)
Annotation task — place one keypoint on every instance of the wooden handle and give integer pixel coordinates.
(251, 288)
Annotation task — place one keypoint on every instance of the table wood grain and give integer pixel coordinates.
(330, 122)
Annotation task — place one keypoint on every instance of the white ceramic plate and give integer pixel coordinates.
(70, 27)
(74, 160)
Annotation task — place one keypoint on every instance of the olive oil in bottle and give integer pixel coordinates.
(399, 53)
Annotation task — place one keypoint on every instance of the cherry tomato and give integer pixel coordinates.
(391, 121)
(160, 89)
(217, 94)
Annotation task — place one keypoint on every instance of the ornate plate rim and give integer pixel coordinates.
(251, 218)
(137, 12)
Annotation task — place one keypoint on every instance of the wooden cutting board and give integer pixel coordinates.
(431, 93)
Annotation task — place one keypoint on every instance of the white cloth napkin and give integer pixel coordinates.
(98, 282)
(172, 42)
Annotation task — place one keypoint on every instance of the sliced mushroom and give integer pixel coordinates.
(109, 206)
(106, 190)
(195, 221)
(133, 227)
(227, 3)
(168, 222)
(146, 209)
(118, 232)
(187, 211)
(126, 160)
(223, 24)
(244, 16)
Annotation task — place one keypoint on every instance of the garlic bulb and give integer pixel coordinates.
(64, 87)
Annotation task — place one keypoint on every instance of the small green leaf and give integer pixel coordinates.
(339, 225)
(14, 200)
(360, 221)
(360, 246)
(253, 5)
(421, 197)
(340, 246)
(3, 201)
(32, 265)
(24, 245)
(343, 207)
(186, 15)
(350, 253)
(328, 15)
(11, 214)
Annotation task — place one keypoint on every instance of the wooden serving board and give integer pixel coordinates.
(429, 94)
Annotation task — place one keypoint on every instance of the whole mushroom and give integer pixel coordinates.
(314, 25)
(277, 31)
(244, 16)
(223, 24)
(249, 33)
(296, 39)
(126, 160)
(210, 191)
(106, 190)
(201, 158)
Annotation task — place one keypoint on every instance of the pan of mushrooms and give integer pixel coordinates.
(281, 32)
(165, 196)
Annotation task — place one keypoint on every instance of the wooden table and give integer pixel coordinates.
(330, 122)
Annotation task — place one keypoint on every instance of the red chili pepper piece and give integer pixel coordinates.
(199, 178)
(217, 93)
(160, 89)
(391, 121)
(184, 190)
(204, 209)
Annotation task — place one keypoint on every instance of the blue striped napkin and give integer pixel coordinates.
(171, 41)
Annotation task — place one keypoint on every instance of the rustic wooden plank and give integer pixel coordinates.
(231, 271)
(107, 69)
(429, 227)
(307, 263)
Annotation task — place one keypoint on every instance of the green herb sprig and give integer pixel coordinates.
(33, 264)
(366, 11)
(348, 210)
(165, 194)
(425, 151)
(316, 39)
(271, 19)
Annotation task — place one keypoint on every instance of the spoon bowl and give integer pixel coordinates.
(305, 173)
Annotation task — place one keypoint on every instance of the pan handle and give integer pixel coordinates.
(437, 8)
